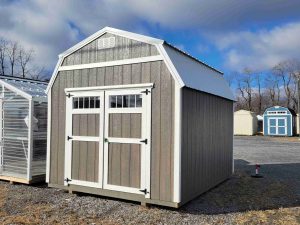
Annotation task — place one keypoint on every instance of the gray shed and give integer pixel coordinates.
(135, 118)
(23, 121)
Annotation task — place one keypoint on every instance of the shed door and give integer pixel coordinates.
(84, 138)
(127, 141)
(277, 126)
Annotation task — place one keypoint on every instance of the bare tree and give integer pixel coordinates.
(258, 79)
(24, 58)
(245, 87)
(272, 87)
(3, 49)
(12, 56)
(285, 70)
(38, 73)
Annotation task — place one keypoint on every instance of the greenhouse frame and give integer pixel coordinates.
(23, 121)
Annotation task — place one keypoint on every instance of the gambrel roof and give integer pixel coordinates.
(186, 70)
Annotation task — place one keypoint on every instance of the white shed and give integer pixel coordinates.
(245, 123)
(23, 133)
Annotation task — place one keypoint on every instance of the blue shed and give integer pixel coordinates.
(279, 121)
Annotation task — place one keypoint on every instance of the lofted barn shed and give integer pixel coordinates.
(135, 118)
(279, 121)
(23, 121)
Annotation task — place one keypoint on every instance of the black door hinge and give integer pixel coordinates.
(146, 92)
(144, 141)
(144, 191)
(69, 95)
(68, 138)
(106, 140)
(67, 180)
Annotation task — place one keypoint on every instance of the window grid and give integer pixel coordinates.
(90, 102)
(125, 101)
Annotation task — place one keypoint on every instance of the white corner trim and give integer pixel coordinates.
(170, 64)
(111, 63)
(48, 138)
(54, 74)
(30, 141)
(177, 143)
(16, 90)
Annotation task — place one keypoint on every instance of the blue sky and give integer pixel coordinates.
(227, 34)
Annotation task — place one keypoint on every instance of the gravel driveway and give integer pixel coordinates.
(274, 199)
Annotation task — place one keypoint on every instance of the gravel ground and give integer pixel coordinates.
(274, 199)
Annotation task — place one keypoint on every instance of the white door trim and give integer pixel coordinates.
(276, 125)
(68, 143)
(145, 110)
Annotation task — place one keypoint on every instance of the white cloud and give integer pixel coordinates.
(50, 27)
(261, 49)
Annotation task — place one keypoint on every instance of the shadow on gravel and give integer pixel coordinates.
(280, 187)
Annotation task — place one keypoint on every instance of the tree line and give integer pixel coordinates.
(257, 90)
(17, 61)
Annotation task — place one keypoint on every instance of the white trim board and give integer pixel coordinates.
(112, 63)
(48, 139)
(121, 87)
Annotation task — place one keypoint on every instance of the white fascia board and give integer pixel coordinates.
(54, 74)
(16, 90)
(170, 65)
(130, 35)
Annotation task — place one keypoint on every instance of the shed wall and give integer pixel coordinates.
(245, 124)
(162, 117)
(207, 142)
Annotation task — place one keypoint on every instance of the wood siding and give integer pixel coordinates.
(125, 125)
(207, 142)
(162, 117)
(124, 49)
(85, 161)
(85, 125)
(124, 164)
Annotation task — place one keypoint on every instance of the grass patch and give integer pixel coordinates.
(282, 216)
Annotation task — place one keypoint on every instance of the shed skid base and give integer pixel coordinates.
(115, 194)
(13, 180)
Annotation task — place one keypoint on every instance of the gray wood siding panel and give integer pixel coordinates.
(85, 168)
(130, 125)
(82, 120)
(162, 118)
(124, 49)
(124, 170)
(207, 142)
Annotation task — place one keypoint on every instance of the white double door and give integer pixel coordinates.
(277, 126)
(108, 139)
